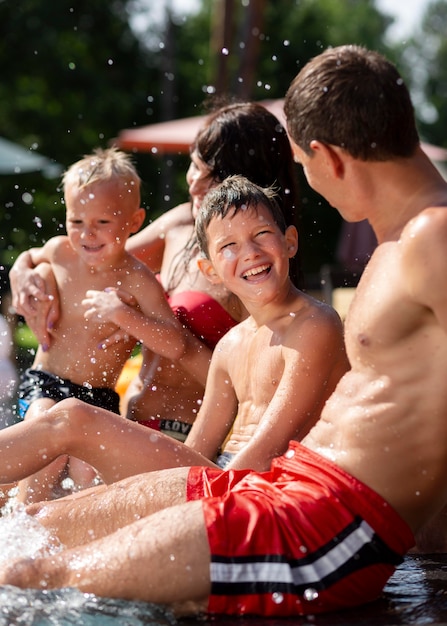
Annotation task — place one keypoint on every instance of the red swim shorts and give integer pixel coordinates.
(303, 538)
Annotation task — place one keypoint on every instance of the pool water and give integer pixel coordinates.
(416, 594)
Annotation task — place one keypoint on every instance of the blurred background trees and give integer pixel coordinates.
(74, 73)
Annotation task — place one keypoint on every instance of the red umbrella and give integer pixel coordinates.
(175, 135)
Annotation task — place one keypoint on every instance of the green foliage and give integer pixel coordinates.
(296, 30)
(425, 58)
(74, 73)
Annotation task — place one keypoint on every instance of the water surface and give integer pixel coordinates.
(416, 594)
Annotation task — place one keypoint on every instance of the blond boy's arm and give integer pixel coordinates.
(150, 319)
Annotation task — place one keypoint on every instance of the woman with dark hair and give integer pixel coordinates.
(238, 138)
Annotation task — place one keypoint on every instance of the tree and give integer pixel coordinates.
(73, 74)
(425, 60)
(288, 34)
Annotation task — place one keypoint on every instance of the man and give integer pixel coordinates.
(326, 527)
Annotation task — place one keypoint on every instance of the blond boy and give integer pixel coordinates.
(91, 267)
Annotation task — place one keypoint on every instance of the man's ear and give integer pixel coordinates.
(207, 269)
(332, 156)
(291, 236)
(137, 220)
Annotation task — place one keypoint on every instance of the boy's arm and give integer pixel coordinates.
(150, 320)
(219, 407)
(312, 352)
(34, 290)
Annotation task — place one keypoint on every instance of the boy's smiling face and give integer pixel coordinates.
(99, 220)
(249, 253)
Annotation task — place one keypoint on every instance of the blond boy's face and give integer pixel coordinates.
(100, 218)
(249, 253)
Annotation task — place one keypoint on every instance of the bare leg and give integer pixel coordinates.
(100, 511)
(115, 446)
(41, 485)
(163, 558)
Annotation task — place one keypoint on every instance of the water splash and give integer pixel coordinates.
(22, 536)
(64, 607)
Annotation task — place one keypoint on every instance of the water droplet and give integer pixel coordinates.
(277, 597)
(310, 594)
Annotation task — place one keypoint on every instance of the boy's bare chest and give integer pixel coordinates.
(257, 368)
(73, 286)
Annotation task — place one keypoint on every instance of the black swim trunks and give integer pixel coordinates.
(37, 384)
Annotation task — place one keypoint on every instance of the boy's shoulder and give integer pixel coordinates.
(60, 244)
(306, 316)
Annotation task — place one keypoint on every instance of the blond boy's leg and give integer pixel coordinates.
(42, 484)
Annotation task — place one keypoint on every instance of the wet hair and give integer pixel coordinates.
(103, 165)
(355, 99)
(235, 194)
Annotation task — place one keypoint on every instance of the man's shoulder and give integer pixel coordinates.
(427, 227)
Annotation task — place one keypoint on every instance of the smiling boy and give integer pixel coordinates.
(90, 266)
(273, 372)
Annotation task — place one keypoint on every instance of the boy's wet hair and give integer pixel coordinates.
(100, 166)
(355, 99)
(235, 194)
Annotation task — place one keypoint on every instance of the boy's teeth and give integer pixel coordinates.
(256, 270)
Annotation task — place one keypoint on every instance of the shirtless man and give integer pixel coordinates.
(372, 471)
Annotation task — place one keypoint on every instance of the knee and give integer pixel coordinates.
(68, 409)
(68, 416)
